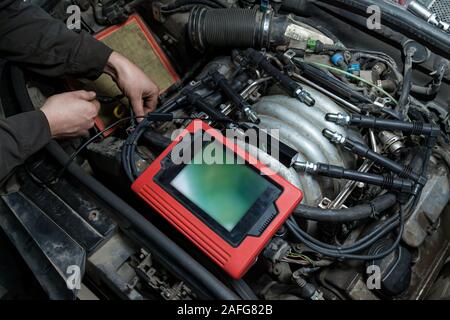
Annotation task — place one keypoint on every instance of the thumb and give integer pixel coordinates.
(85, 95)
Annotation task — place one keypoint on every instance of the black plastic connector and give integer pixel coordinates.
(160, 117)
(364, 151)
(235, 97)
(388, 182)
(409, 128)
(197, 100)
(292, 87)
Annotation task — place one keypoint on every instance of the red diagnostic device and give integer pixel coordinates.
(220, 197)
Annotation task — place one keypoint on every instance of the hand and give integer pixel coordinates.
(71, 114)
(142, 92)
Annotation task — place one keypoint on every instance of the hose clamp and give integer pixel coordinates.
(195, 28)
(266, 21)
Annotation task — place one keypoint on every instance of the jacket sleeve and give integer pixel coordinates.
(20, 137)
(31, 37)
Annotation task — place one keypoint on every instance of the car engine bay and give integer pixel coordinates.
(362, 122)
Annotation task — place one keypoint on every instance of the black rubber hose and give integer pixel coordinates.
(358, 212)
(406, 90)
(404, 22)
(407, 83)
(139, 223)
(338, 252)
(360, 244)
(233, 27)
(230, 27)
(435, 86)
(180, 3)
(323, 79)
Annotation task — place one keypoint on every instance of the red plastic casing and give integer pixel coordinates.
(234, 260)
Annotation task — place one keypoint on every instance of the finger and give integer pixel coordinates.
(85, 95)
(151, 102)
(138, 107)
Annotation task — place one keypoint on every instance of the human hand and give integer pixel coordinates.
(134, 83)
(71, 114)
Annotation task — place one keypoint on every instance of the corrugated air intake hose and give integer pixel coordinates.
(236, 28)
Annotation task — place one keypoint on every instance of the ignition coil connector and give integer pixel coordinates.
(294, 89)
(385, 181)
(235, 97)
(411, 128)
(198, 101)
(364, 151)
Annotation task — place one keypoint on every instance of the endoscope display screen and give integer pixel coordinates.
(225, 191)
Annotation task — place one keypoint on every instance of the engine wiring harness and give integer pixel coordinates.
(392, 133)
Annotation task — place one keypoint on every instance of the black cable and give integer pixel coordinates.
(358, 212)
(129, 148)
(360, 244)
(132, 139)
(408, 128)
(132, 148)
(392, 113)
(343, 253)
(386, 181)
(363, 243)
(407, 83)
(93, 138)
(403, 171)
(108, 99)
(294, 89)
(332, 84)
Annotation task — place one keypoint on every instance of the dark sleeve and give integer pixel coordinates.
(20, 137)
(29, 36)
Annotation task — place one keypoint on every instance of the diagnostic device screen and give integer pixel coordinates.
(225, 190)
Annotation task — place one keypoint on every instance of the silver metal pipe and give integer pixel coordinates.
(422, 12)
(246, 93)
(373, 140)
(348, 188)
(430, 17)
(300, 142)
(312, 190)
(349, 106)
(351, 185)
(303, 124)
